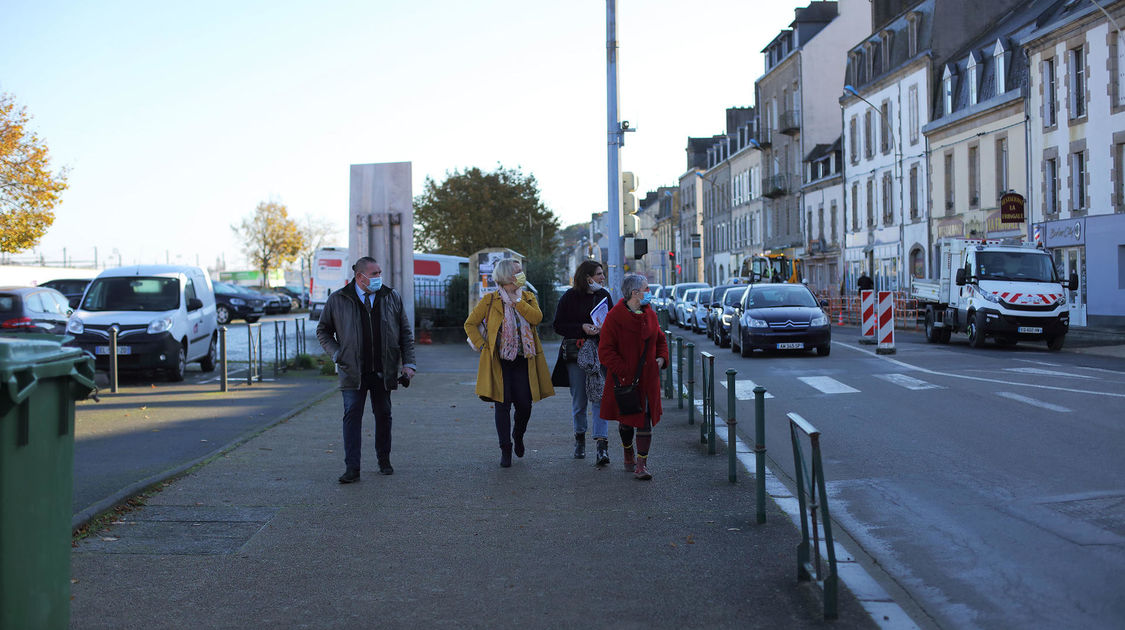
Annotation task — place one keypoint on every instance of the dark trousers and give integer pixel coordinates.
(370, 386)
(517, 393)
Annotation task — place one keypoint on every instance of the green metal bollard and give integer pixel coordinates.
(707, 365)
(711, 423)
(760, 450)
(732, 437)
(680, 372)
(668, 371)
(691, 383)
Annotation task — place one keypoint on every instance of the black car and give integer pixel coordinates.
(724, 314)
(297, 293)
(33, 310)
(710, 300)
(234, 302)
(72, 288)
(780, 317)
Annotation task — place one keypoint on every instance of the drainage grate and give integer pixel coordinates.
(188, 530)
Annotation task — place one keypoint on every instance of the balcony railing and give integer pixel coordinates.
(776, 185)
(790, 122)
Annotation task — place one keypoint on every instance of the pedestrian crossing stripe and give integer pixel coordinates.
(744, 389)
(909, 382)
(827, 385)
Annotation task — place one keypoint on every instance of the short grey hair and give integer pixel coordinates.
(632, 282)
(505, 271)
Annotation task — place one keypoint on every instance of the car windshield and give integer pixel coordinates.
(733, 296)
(780, 295)
(132, 293)
(1020, 266)
(67, 286)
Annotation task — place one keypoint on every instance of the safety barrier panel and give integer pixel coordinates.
(846, 310)
(867, 309)
(886, 329)
(812, 497)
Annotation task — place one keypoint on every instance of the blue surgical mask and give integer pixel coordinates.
(374, 284)
(647, 298)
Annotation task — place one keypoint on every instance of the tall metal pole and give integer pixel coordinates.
(614, 270)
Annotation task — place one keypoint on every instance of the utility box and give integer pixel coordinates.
(481, 265)
(381, 224)
(39, 382)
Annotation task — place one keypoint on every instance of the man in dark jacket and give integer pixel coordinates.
(365, 330)
(864, 283)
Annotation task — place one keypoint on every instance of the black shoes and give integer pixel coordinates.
(350, 475)
(579, 446)
(602, 452)
(506, 456)
(517, 445)
(385, 467)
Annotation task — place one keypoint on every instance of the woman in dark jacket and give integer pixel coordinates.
(574, 324)
(630, 329)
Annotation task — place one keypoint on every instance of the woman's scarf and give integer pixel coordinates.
(595, 371)
(514, 331)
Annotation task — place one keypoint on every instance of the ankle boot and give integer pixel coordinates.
(629, 463)
(603, 451)
(506, 456)
(579, 446)
(517, 445)
(640, 471)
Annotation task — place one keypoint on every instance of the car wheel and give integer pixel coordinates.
(931, 332)
(178, 366)
(824, 350)
(976, 330)
(1054, 344)
(207, 363)
(743, 349)
(222, 315)
(253, 318)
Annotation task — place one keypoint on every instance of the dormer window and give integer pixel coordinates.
(913, 24)
(971, 70)
(1000, 59)
(886, 37)
(947, 91)
(869, 58)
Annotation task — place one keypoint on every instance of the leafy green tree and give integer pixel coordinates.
(29, 191)
(270, 239)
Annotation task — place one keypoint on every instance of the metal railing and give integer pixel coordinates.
(251, 372)
(812, 497)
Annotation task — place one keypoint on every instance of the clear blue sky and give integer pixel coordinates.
(178, 118)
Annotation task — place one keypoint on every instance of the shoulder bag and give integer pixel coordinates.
(628, 397)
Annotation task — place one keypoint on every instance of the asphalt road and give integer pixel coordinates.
(987, 486)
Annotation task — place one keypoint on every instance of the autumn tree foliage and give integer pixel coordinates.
(316, 232)
(474, 209)
(270, 239)
(29, 191)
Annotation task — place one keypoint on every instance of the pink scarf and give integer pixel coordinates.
(514, 331)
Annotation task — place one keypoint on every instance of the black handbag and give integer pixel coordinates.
(569, 350)
(628, 397)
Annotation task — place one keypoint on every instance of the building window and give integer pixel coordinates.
(820, 222)
(912, 22)
(885, 127)
(1078, 181)
(974, 176)
(1118, 55)
(947, 91)
(1000, 61)
(868, 135)
(913, 191)
(1050, 106)
(972, 78)
(1051, 184)
(1119, 177)
(1001, 166)
(1077, 103)
(832, 212)
(888, 203)
(912, 104)
(855, 207)
(949, 188)
(870, 202)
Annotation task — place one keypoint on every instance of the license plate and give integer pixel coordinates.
(797, 345)
(120, 350)
(1034, 330)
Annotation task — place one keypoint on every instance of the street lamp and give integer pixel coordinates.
(898, 174)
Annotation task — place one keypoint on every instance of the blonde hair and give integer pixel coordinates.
(505, 271)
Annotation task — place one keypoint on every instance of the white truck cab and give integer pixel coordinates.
(164, 316)
(989, 289)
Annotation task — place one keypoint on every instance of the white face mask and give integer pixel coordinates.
(594, 286)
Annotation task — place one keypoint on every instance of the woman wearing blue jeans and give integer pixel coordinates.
(574, 324)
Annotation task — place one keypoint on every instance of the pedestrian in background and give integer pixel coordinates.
(365, 330)
(864, 283)
(574, 324)
(512, 372)
(631, 341)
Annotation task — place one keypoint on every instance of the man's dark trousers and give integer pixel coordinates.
(371, 386)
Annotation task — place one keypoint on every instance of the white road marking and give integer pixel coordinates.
(744, 390)
(827, 385)
(1040, 362)
(1033, 401)
(1042, 372)
(907, 366)
(909, 382)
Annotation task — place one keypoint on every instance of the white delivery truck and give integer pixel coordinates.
(986, 288)
(330, 271)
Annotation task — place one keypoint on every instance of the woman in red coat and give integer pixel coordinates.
(630, 328)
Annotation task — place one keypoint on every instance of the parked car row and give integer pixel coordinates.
(749, 317)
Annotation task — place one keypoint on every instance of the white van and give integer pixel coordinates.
(330, 271)
(164, 316)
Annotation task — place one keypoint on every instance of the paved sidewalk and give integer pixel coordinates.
(265, 537)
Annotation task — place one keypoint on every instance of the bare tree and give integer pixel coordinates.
(316, 232)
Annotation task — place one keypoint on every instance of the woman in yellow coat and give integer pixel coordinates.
(512, 371)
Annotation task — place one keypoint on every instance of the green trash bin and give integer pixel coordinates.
(39, 382)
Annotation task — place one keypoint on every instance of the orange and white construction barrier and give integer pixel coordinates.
(867, 316)
(886, 323)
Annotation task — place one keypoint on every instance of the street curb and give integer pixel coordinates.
(96, 509)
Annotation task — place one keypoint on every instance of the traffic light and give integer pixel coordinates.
(636, 248)
(628, 187)
(672, 257)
